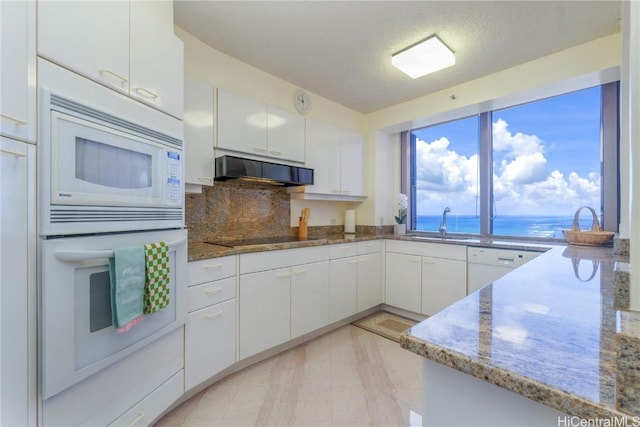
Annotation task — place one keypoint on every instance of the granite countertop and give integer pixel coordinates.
(199, 250)
(551, 330)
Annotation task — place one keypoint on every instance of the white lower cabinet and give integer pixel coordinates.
(265, 316)
(356, 278)
(283, 294)
(210, 333)
(425, 277)
(309, 298)
(444, 281)
(404, 281)
(370, 282)
(210, 338)
(344, 291)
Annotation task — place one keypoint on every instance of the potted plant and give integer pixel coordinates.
(401, 226)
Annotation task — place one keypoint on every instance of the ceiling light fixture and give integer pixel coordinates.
(424, 57)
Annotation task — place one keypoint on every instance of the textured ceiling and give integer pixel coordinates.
(341, 50)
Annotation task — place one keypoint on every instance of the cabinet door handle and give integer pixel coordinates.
(345, 248)
(299, 272)
(205, 178)
(213, 267)
(429, 262)
(415, 261)
(214, 314)
(116, 75)
(500, 258)
(259, 150)
(213, 291)
(12, 153)
(275, 153)
(145, 93)
(346, 191)
(283, 275)
(13, 119)
(136, 419)
(353, 262)
(362, 259)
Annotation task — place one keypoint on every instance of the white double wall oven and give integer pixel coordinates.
(110, 176)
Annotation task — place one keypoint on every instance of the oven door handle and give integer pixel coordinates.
(74, 256)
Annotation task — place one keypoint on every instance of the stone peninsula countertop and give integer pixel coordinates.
(550, 330)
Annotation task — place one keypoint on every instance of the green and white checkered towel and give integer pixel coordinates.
(156, 296)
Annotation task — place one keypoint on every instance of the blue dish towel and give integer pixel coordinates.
(127, 277)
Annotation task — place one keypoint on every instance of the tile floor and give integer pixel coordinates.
(348, 377)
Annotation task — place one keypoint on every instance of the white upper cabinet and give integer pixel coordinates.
(285, 135)
(157, 61)
(249, 126)
(242, 124)
(119, 44)
(351, 164)
(199, 131)
(18, 76)
(91, 38)
(323, 156)
(337, 158)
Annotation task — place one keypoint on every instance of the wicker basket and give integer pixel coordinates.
(594, 237)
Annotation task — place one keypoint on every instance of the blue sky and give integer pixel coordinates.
(546, 158)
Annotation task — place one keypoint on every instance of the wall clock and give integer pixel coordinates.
(303, 102)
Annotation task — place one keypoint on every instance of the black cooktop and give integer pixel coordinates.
(257, 241)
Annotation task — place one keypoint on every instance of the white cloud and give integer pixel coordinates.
(522, 184)
(442, 171)
(525, 169)
(514, 144)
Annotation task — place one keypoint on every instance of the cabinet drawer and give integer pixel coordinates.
(343, 250)
(436, 250)
(370, 246)
(212, 269)
(154, 404)
(201, 296)
(210, 342)
(262, 261)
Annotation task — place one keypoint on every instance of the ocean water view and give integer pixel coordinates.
(531, 226)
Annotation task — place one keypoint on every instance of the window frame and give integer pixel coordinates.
(610, 158)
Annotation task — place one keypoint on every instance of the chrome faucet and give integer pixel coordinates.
(443, 224)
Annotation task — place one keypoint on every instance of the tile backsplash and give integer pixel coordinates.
(230, 211)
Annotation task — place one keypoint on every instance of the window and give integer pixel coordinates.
(519, 171)
(445, 161)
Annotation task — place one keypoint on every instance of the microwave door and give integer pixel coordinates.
(95, 165)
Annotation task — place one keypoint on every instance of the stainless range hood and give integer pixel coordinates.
(238, 168)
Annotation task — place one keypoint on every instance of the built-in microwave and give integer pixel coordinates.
(104, 172)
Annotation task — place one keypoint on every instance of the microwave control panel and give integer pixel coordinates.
(174, 176)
